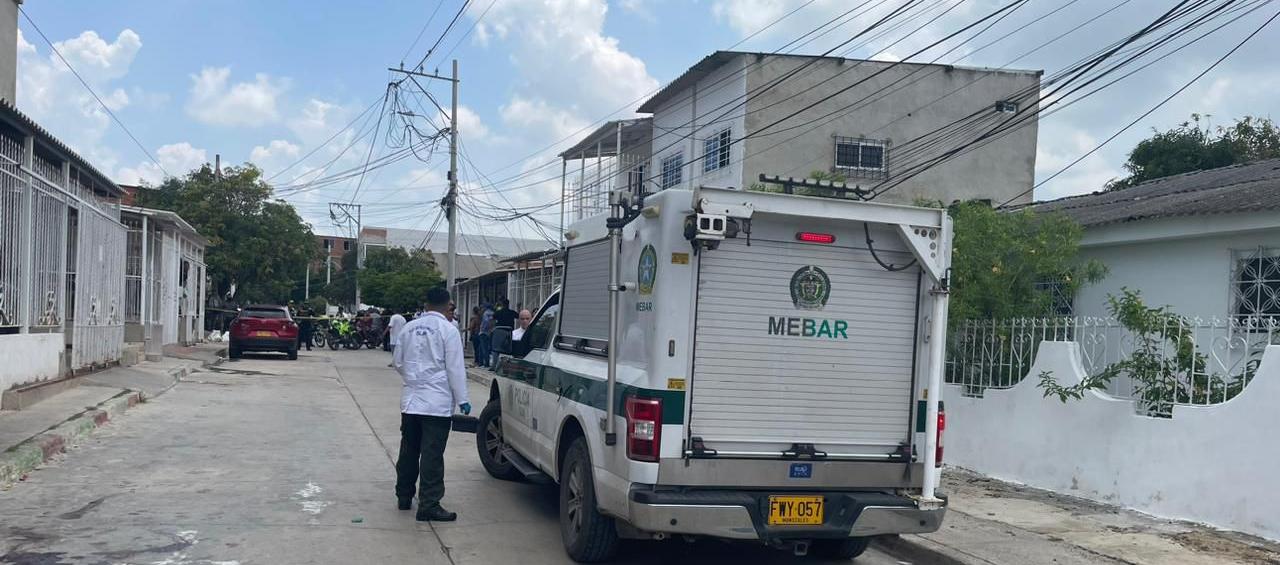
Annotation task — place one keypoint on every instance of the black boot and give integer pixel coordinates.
(404, 503)
(436, 514)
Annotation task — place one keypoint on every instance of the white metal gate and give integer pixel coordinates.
(99, 316)
(759, 391)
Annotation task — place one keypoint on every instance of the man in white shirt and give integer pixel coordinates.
(393, 331)
(522, 324)
(428, 356)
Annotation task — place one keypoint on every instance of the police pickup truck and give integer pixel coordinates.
(736, 365)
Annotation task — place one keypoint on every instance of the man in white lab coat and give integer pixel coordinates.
(428, 356)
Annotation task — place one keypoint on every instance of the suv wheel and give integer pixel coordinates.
(489, 443)
(588, 535)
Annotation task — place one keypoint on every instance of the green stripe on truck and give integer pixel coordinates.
(586, 390)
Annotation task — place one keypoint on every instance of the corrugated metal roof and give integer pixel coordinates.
(635, 132)
(22, 120)
(1248, 187)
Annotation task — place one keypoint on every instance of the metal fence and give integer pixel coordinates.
(99, 317)
(1187, 362)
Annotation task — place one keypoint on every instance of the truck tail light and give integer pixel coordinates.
(814, 237)
(644, 428)
(942, 425)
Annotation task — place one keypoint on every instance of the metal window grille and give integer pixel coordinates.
(1061, 303)
(1222, 357)
(866, 158)
(672, 170)
(1255, 283)
(715, 151)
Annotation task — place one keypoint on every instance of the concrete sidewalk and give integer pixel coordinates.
(32, 436)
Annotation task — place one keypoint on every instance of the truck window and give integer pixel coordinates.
(584, 301)
(539, 334)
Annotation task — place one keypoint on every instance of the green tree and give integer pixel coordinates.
(1011, 264)
(342, 281)
(259, 245)
(396, 278)
(1190, 147)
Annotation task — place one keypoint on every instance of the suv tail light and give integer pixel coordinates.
(942, 425)
(644, 428)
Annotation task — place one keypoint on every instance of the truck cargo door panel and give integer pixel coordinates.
(802, 345)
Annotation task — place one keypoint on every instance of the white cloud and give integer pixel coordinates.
(216, 102)
(470, 126)
(567, 66)
(277, 154)
(51, 95)
(638, 8)
(537, 115)
(177, 158)
(747, 16)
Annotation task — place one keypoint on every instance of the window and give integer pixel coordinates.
(539, 334)
(346, 245)
(264, 313)
(328, 244)
(861, 157)
(715, 151)
(635, 179)
(1007, 107)
(672, 169)
(1061, 303)
(1255, 283)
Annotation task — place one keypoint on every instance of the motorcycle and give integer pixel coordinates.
(342, 333)
(320, 332)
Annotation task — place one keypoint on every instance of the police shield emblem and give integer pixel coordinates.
(647, 270)
(810, 288)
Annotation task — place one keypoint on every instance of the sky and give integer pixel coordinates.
(271, 82)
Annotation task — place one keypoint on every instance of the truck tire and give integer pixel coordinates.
(489, 443)
(588, 535)
(839, 548)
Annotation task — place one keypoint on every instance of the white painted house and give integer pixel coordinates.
(164, 279)
(1205, 243)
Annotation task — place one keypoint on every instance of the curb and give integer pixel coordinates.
(913, 549)
(21, 459)
(479, 375)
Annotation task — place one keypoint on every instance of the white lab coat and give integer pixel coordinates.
(396, 324)
(429, 359)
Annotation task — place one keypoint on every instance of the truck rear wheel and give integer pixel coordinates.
(489, 443)
(588, 535)
(839, 548)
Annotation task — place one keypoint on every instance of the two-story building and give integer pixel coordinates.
(735, 116)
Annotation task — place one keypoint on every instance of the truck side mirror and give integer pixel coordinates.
(502, 340)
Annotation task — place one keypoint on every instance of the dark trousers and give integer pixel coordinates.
(422, 441)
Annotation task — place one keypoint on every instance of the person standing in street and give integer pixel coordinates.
(306, 327)
(428, 356)
(504, 317)
(473, 333)
(486, 335)
(393, 331)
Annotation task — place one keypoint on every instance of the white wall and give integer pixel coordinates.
(718, 94)
(1212, 464)
(1192, 275)
(27, 358)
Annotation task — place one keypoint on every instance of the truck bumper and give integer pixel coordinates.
(741, 515)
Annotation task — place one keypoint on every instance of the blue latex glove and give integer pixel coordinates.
(466, 408)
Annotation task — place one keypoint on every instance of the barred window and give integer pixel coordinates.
(861, 157)
(715, 151)
(1255, 283)
(1061, 302)
(672, 170)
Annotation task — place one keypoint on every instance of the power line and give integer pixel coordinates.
(1151, 110)
(430, 19)
(452, 22)
(84, 83)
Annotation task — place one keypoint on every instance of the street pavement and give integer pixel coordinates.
(270, 461)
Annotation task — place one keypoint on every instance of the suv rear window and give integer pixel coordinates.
(270, 314)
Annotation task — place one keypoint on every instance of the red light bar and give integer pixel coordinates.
(812, 237)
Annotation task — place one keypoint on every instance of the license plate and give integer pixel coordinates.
(264, 334)
(795, 510)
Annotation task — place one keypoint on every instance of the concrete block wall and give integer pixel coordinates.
(28, 358)
(1211, 464)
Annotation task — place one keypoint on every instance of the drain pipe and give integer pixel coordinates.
(614, 222)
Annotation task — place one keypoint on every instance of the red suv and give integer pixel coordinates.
(263, 328)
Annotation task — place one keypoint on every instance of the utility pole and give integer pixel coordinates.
(451, 276)
(347, 219)
(450, 201)
(306, 294)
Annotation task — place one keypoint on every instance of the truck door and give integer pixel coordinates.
(804, 343)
